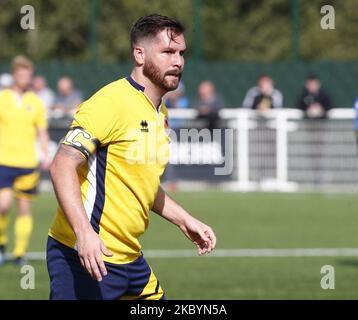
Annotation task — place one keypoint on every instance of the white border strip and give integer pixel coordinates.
(243, 253)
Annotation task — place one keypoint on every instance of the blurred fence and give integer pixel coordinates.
(282, 151)
(276, 151)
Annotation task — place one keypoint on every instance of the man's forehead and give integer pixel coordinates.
(168, 38)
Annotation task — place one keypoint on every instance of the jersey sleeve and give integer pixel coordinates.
(94, 125)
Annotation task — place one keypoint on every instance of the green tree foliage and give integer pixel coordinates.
(114, 32)
(246, 30)
(337, 44)
(61, 29)
(232, 30)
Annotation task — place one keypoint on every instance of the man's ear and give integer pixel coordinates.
(138, 54)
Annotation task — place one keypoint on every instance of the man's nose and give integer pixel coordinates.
(178, 61)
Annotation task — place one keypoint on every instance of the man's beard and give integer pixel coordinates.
(152, 72)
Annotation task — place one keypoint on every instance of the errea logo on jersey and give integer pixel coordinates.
(144, 125)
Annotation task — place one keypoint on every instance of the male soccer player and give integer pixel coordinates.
(22, 120)
(106, 176)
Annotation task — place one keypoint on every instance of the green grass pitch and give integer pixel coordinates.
(253, 220)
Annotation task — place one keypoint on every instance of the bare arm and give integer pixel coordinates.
(195, 230)
(44, 138)
(67, 188)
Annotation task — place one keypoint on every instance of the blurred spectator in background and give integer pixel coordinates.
(355, 107)
(313, 100)
(175, 99)
(68, 98)
(208, 104)
(315, 103)
(22, 123)
(264, 96)
(6, 81)
(39, 86)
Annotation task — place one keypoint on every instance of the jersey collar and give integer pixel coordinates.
(141, 88)
(135, 84)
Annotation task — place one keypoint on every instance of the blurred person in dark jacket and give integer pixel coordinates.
(314, 101)
(208, 104)
(264, 96)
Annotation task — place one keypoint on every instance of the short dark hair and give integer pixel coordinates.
(264, 76)
(312, 76)
(151, 25)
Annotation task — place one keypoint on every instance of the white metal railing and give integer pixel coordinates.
(285, 126)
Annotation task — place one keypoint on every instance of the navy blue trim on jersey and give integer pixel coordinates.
(140, 88)
(135, 84)
(100, 187)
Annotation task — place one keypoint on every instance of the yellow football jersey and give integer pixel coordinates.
(19, 119)
(125, 139)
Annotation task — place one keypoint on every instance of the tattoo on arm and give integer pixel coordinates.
(70, 152)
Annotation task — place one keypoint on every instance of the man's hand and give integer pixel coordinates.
(90, 248)
(44, 140)
(196, 231)
(199, 233)
(45, 163)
